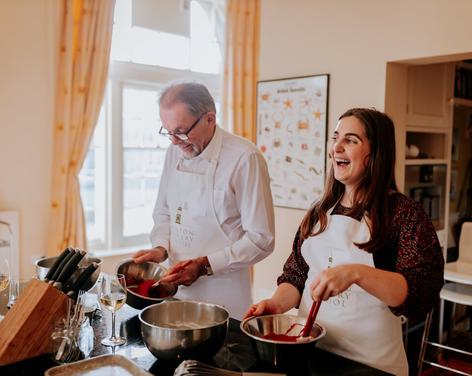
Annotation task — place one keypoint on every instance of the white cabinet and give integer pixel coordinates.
(426, 102)
(428, 128)
(429, 89)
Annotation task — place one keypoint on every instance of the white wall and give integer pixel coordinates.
(352, 41)
(26, 117)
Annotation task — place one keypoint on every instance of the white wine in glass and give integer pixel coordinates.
(114, 301)
(4, 282)
(4, 276)
(112, 295)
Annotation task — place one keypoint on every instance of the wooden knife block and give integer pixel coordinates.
(26, 330)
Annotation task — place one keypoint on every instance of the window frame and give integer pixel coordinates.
(138, 76)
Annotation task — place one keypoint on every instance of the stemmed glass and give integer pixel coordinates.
(4, 275)
(112, 293)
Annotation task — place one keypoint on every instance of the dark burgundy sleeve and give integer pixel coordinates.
(419, 257)
(295, 269)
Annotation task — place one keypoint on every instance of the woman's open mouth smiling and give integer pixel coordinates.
(342, 162)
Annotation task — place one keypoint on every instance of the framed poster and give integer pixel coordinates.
(292, 118)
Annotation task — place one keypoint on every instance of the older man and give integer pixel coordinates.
(214, 213)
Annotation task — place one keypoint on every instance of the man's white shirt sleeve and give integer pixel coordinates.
(253, 237)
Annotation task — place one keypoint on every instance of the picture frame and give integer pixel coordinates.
(292, 121)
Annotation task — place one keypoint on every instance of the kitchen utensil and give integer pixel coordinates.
(143, 272)
(68, 269)
(61, 266)
(310, 320)
(56, 263)
(184, 329)
(116, 365)
(64, 343)
(280, 353)
(43, 265)
(73, 288)
(25, 331)
(66, 335)
(196, 368)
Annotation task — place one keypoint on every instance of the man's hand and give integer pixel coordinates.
(157, 254)
(185, 272)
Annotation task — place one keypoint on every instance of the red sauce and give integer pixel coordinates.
(142, 287)
(284, 337)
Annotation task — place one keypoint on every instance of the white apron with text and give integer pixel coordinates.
(195, 232)
(358, 325)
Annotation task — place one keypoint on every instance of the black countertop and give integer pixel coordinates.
(237, 353)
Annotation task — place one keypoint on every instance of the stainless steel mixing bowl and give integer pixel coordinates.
(183, 329)
(281, 353)
(144, 271)
(43, 265)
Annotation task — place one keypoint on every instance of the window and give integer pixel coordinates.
(92, 183)
(121, 174)
(143, 158)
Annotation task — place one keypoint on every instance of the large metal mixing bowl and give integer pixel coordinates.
(183, 329)
(144, 271)
(281, 353)
(43, 265)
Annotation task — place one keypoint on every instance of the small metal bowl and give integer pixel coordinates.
(145, 271)
(175, 330)
(280, 353)
(43, 265)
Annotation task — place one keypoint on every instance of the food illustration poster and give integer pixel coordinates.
(291, 134)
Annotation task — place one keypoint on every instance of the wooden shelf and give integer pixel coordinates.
(460, 102)
(425, 161)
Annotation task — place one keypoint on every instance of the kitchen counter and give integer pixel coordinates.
(236, 354)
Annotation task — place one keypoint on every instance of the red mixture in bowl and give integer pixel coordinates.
(143, 288)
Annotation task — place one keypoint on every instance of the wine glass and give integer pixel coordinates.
(4, 275)
(112, 293)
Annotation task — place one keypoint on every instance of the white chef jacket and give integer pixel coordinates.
(243, 201)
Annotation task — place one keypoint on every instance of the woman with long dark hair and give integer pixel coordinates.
(368, 251)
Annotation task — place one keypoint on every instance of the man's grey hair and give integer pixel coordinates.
(194, 95)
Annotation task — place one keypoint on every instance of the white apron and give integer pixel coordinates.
(358, 325)
(195, 232)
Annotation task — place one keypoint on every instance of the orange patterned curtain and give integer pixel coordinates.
(241, 68)
(85, 42)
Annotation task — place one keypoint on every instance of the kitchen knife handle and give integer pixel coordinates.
(64, 262)
(58, 261)
(82, 279)
(70, 267)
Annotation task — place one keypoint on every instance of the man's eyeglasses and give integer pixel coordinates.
(181, 136)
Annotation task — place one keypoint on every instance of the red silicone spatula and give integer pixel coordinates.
(315, 307)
